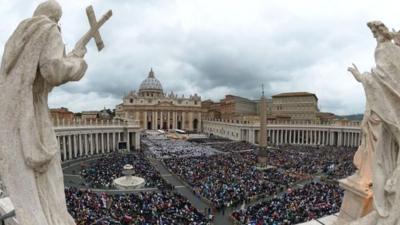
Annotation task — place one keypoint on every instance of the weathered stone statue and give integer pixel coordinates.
(34, 61)
(379, 152)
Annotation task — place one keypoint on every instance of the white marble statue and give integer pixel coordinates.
(34, 61)
(379, 152)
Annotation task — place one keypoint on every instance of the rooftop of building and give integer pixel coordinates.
(295, 94)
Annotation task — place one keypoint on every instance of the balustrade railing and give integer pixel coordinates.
(93, 123)
(283, 123)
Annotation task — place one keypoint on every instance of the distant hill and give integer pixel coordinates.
(357, 117)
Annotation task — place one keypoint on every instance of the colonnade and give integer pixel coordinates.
(76, 142)
(314, 136)
(297, 134)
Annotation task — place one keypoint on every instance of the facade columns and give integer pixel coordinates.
(145, 120)
(183, 120)
(174, 120)
(161, 120)
(128, 140)
(190, 120)
(168, 120)
(251, 137)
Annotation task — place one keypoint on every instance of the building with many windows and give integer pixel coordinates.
(295, 106)
(155, 109)
(301, 107)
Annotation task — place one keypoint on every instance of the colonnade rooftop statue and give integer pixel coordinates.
(34, 61)
(377, 158)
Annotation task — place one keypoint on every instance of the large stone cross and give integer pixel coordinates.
(94, 28)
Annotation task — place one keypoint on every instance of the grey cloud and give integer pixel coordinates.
(211, 49)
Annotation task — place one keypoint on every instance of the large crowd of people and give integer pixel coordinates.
(177, 148)
(332, 162)
(229, 179)
(295, 206)
(159, 208)
(226, 173)
(225, 145)
(103, 171)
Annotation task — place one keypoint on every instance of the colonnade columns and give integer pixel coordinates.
(75, 146)
(69, 146)
(251, 137)
(291, 140)
(85, 139)
(107, 142)
(273, 136)
(64, 147)
(156, 121)
(92, 144)
(80, 145)
(113, 144)
(137, 140)
(314, 134)
(101, 139)
(339, 139)
(96, 139)
(183, 121)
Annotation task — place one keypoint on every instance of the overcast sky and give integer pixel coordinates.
(218, 47)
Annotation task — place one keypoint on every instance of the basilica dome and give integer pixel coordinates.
(151, 83)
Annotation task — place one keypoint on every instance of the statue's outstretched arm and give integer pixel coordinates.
(356, 73)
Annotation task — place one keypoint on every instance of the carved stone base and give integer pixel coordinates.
(6, 207)
(357, 201)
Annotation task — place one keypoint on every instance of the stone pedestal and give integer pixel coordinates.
(357, 201)
(6, 206)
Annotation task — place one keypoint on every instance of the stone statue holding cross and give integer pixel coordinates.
(34, 61)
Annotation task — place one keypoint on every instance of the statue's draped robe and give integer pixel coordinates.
(382, 87)
(365, 152)
(34, 61)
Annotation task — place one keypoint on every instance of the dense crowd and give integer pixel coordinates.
(211, 139)
(103, 171)
(229, 179)
(235, 146)
(313, 201)
(177, 148)
(225, 173)
(225, 145)
(166, 208)
(332, 162)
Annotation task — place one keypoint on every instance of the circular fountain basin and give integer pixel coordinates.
(129, 183)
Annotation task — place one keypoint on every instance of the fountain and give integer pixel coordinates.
(129, 182)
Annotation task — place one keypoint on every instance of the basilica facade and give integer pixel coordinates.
(155, 109)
